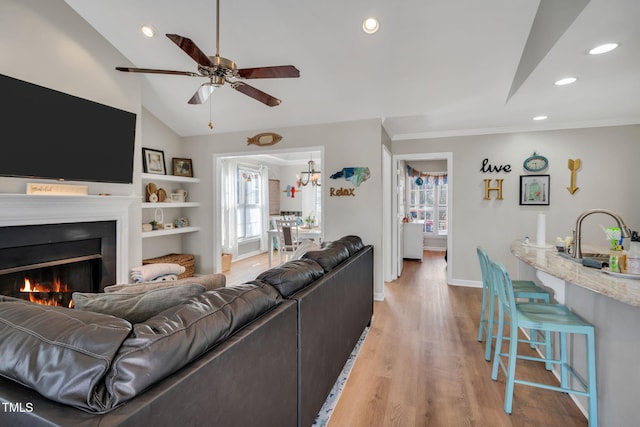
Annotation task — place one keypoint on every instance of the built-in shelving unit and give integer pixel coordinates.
(147, 205)
(150, 177)
(180, 230)
(168, 178)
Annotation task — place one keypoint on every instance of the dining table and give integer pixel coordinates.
(304, 233)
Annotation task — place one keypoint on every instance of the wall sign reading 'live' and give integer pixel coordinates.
(488, 189)
(488, 167)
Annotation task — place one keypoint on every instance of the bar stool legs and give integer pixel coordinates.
(522, 289)
(550, 318)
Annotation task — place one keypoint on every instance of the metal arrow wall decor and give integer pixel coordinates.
(574, 165)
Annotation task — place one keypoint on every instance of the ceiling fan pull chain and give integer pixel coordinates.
(210, 120)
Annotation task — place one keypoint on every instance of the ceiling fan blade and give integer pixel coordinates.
(281, 71)
(191, 49)
(153, 71)
(256, 94)
(202, 94)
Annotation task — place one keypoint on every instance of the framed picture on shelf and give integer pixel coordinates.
(153, 161)
(534, 189)
(182, 167)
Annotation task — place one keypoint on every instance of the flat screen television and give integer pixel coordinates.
(54, 135)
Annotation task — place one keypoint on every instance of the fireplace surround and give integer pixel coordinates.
(47, 262)
(104, 257)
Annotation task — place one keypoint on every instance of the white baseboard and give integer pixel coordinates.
(467, 283)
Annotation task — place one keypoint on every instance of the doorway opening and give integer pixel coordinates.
(437, 219)
(251, 190)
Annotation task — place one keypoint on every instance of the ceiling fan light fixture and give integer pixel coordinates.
(370, 25)
(148, 30)
(603, 48)
(565, 81)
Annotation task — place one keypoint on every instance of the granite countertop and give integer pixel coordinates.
(549, 261)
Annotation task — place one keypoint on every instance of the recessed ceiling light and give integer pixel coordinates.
(370, 25)
(565, 81)
(603, 48)
(538, 118)
(148, 30)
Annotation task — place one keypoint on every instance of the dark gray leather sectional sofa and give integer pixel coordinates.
(265, 353)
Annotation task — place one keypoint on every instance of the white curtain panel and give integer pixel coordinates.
(229, 206)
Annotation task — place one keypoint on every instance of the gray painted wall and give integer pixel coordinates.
(606, 180)
(345, 145)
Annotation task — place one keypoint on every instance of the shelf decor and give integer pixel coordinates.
(534, 189)
(153, 161)
(182, 167)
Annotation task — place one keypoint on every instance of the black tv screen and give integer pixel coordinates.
(54, 135)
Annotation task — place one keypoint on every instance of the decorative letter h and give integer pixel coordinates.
(488, 189)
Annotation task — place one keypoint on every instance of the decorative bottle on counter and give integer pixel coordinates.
(633, 256)
(615, 260)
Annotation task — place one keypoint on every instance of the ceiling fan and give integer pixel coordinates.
(220, 70)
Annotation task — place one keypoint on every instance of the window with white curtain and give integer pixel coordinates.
(250, 203)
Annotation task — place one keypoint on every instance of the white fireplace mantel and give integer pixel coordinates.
(24, 209)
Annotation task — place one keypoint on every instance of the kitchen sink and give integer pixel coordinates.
(596, 260)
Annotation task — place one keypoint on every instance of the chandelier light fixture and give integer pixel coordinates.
(309, 176)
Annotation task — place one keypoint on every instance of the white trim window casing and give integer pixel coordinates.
(427, 202)
(250, 203)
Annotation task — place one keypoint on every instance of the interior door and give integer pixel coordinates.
(400, 194)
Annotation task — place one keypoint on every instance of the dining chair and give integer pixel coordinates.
(552, 319)
(288, 240)
(522, 289)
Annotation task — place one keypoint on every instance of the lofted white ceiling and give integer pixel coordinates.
(434, 68)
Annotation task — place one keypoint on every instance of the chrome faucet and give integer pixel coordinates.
(576, 245)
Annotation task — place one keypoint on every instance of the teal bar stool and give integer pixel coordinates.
(521, 289)
(550, 318)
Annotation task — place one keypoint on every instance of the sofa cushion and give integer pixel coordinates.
(292, 276)
(136, 306)
(353, 243)
(329, 257)
(61, 353)
(170, 340)
(209, 281)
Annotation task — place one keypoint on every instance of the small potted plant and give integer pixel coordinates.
(310, 221)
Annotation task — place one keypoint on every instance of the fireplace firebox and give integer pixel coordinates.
(46, 263)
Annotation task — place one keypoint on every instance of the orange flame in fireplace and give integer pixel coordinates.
(44, 293)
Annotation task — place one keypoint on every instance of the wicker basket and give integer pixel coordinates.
(185, 260)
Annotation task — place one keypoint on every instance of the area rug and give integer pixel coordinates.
(329, 405)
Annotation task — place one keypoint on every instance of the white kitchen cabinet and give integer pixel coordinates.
(412, 240)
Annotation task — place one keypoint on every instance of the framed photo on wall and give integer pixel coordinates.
(182, 167)
(534, 189)
(153, 161)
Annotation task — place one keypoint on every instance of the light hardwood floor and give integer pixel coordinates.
(421, 364)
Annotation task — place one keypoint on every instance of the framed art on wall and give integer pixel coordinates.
(182, 167)
(534, 189)
(153, 161)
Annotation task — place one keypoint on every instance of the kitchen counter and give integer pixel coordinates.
(552, 263)
(609, 303)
